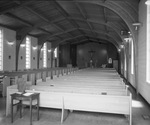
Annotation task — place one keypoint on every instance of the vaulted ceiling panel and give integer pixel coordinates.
(98, 26)
(70, 7)
(36, 32)
(95, 17)
(82, 37)
(75, 33)
(102, 36)
(70, 20)
(53, 39)
(112, 16)
(51, 28)
(82, 24)
(9, 22)
(76, 15)
(65, 25)
(129, 9)
(45, 9)
(91, 9)
(64, 36)
(87, 32)
(94, 12)
(26, 15)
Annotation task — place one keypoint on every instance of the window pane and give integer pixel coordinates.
(45, 55)
(148, 44)
(28, 52)
(1, 50)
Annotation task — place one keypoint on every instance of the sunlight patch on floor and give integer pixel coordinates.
(137, 104)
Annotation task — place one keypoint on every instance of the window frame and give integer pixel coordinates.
(132, 56)
(148, 43)
(28, 52)
(1, 48)
(45, 55)
(56, 52)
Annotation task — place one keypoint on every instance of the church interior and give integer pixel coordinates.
(75, 62)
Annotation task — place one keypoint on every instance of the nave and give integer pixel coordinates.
(51, 116)
(140, 109)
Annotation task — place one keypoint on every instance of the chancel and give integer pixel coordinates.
(74, 62)
(91, 52)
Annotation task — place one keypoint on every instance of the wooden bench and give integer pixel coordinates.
(85, 90)
(64, 100)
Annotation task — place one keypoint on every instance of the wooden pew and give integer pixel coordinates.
(79, 91)
(120, 104)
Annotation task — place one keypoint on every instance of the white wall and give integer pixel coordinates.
(41, 59)
(56, 60)
(143, 87)
(22, 55)
(48, 54)
(99, 57)
(34, 42)
(9, 50)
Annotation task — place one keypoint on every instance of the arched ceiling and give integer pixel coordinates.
(70, 21)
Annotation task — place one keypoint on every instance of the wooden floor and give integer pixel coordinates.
(141, 116)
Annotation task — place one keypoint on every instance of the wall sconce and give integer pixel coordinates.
(121, 46)
(49, 50)
(147, 2)
(10, 43)
(22, 45)
(129, 33)
(137, 25)
(128, 39)
(34, 47)
(119, 50)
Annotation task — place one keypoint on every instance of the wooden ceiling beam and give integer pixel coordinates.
(45, 19)
(49, 33)
(65, 14)
(134, 1)
(85, 17)
(84, 29)
(81, 10)
(42, 17)
(105, 34)
(55, 44)
(9, 27)
(102, 23)
(105, 14)
(36, 13)
(46, 37)
(105, 18)
(19, 19)
(26, 23)
(45, 31)
(99, 40)
(29, 25)
(80, 41)
(18, 5)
